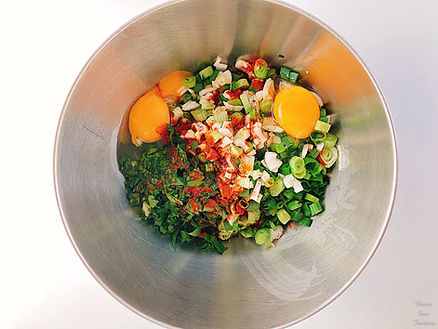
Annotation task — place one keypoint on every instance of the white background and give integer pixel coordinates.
(43, 46)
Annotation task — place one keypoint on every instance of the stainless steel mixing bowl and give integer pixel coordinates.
(247, 287)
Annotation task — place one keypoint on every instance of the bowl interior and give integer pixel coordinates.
(248, 286)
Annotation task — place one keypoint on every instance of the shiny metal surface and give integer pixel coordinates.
(247, 287)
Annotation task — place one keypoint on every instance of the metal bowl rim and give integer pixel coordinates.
(301, 12)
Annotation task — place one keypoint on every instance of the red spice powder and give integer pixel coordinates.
(196, 190)
(257, 84)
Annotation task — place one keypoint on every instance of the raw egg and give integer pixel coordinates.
(296, 110)
(148, 116)
(170, 84)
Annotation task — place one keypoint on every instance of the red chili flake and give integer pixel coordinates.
(209, 140)
(257, 84)
(210, 205)
(292, 227)
(212, 155)
(182, 127)
(320, 160)
(234, 94)
(163, 132)
(226, 190)
(236, 121)
(215, 97)
(239, 209)
(196, 175)
(201, 235)
(194, 204)
(176, 162)
(250, 66)
(196, 190)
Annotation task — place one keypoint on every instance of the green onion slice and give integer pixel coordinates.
(261, 69)
(317, 136)
(329, 155)
(297, 167)
(189, 82)
(321, 126)
(330, 140)
(262, 236)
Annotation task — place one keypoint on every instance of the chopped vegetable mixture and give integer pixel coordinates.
(225, 167)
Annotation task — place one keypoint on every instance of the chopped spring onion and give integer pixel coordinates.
(247, 233)
(266, 106)
(289, 140)
(317, 136)
(284, 72)
(293, 76)
(283, 216)
(223, 98)
(328, 155)
(269, 182)
(300, 175)
(235, 102)
(279, 148)
(306, 210)
(245, 102)
(311, 197)
(253, 216)
(251, 113)
(296, 216)
(262, 236)
(221, 117)
(194, 183)
(305, 222)
(330, 140)
(214, 75)
(209, 167)
(261, 69)
(293, 205)
(253, 206)
(242, 83)
(195, 232)
(210, 120)
(323, 127)
(238, 116)
(189, 82)
(206, 105)
(288, 194)
(198, 87)
(277, 187)
(297, 167)
(272, 73)
(315, 208)
(206, 73)
(284, 169)
(215, 135)
(186, 97)
(314, 153)
(199, 114)
(322, 112)
(273, 226)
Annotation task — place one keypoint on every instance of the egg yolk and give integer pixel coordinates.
(170, 84)
(296, 110)
(148, 116)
